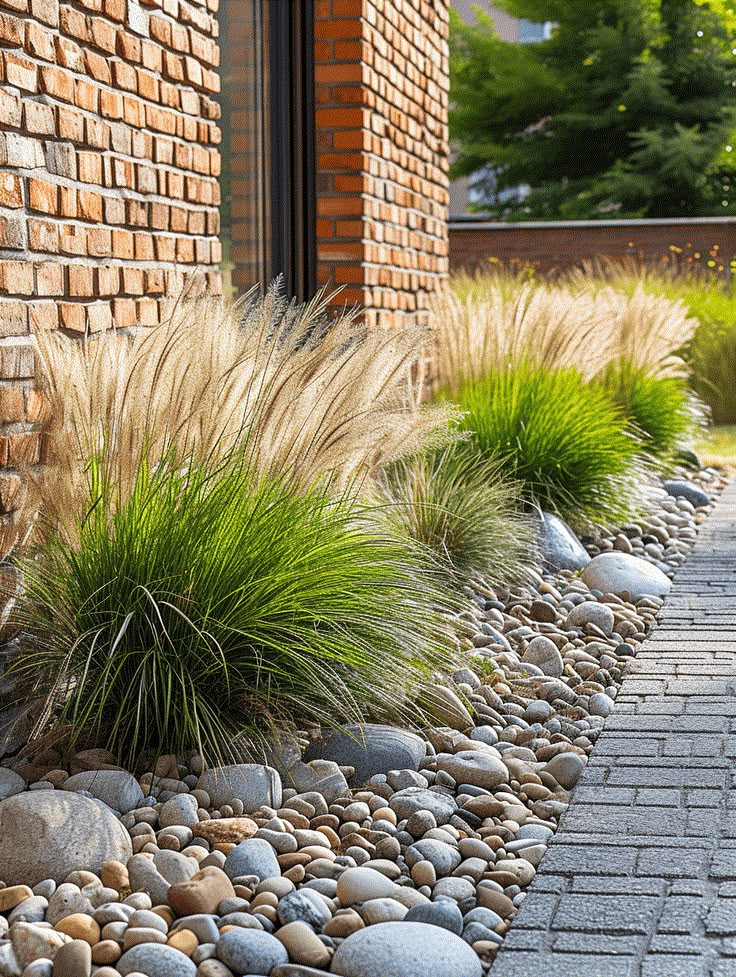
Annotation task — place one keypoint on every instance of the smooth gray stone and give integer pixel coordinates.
(77, 834)
(10, 783)
(370, 749)
(405, 950)
(444, 914)
(251, 952)
(254, 784)
(561, 549)
(155, 960)
(616, 573)
(407, 802)
(116, 788)
(254, 856)
(305, 906)
(686, 490)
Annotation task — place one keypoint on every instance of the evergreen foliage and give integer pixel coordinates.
(626, 111)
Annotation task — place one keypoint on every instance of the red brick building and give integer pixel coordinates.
(139, 139)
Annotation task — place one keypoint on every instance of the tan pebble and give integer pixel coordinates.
(243, 892)
(203, 893)
(294, 818)
(265, 899)
(232, 830)
(330, 835)
(303, 945)
(485, 948)
(82, 878)
(289, 859)
(537, 792)
(106, 972)
(520, 868)
(423, 873)
(13, 896)
(183, 940)
(498, 902)
(317, 851)
(268, 911)
(295, 874)
(279, 886)
(107, 951)
(135, 935)
(166, 913)
(385, 814)
(227, 927)
(80, 926)
(344, 924)
(224, 846)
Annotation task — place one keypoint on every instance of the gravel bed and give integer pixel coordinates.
(379, 852)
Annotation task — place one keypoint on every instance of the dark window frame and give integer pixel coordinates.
(292, 169)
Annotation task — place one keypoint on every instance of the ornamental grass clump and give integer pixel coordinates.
(564, 441)
(207, 576)
(464, 511)
(206, 607)
(660, 410)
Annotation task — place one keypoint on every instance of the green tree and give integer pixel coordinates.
(628, 109)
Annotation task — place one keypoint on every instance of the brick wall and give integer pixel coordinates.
(381, 80)
(563, 244)
(108, 177)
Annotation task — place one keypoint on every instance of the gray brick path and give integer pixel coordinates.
(640, 879)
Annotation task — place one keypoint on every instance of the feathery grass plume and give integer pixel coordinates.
(204, 607)
(651, 330)
(309, 396)
(464, 511)
(536, 323)
(563, 440)
(660, 409)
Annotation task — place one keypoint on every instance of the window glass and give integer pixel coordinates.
(244, 78)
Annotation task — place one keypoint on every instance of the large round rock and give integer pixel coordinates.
(252, 783)
(561, 549)
(686, 490)
(155, 960)
(47, 834)
(475, 767)
(405, 950)
(247, 951)
(619, 573)
(370, 749)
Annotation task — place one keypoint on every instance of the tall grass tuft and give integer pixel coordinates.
(462, 509)
(310, 397)
(660, 410)
(564, 441)
(203, 606)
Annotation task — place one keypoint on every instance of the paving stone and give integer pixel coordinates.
(603, 913)
(721, 920)
(530, 964)
(668, 965)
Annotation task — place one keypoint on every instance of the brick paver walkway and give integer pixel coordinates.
(640, 880)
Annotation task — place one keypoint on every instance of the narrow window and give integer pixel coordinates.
(267, 182)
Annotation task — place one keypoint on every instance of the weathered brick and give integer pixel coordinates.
(11, 193)
(13, 317)
(12, 231)
(57, 82)
(43, 196)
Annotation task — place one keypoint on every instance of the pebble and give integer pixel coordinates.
(252, 952)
